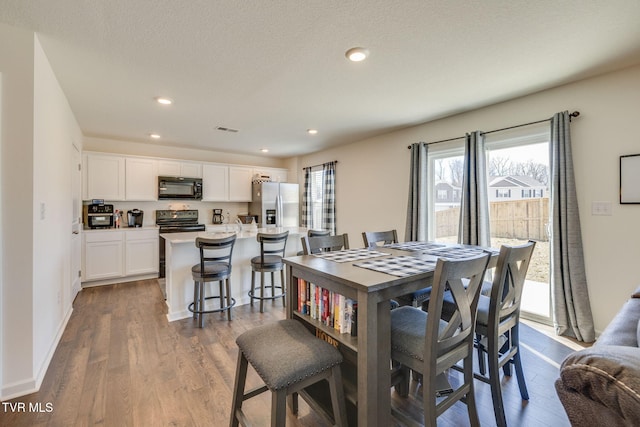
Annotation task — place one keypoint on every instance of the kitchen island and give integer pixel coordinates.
(181, 254)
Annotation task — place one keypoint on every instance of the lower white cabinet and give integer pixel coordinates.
(141, 252)
(114, 254)
(103, 255)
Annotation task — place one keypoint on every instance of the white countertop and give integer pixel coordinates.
(190, 237)
(146, 227)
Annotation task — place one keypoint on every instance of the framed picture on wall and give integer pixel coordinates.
(630, 179)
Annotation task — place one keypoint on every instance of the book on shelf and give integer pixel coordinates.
(330, 308)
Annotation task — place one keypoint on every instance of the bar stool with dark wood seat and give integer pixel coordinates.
(288, 358)
(214, 266)
(272, 249)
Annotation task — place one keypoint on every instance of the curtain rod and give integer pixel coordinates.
(315, 166)
(574, 114)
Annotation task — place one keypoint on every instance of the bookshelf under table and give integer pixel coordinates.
(366, 370)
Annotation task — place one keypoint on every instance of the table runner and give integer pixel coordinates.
(453, 252)
(414, 246)
(348, 255)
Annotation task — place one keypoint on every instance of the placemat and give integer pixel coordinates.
(348, 255)
(455, 252)
(400, 266)
(414, 246)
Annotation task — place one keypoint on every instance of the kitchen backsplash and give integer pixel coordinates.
(205, 209)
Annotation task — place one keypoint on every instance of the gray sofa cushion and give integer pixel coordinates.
(607, 375)
(623, 329)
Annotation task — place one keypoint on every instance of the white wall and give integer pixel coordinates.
(55, 130)
(16, 68)
(38, 129)
(373, 174)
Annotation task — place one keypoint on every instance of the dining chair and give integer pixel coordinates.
(315, 233)
(313, 245)
(497, 324)
(373, 238)
(424, 343)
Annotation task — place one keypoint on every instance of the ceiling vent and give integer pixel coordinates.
(224, 129)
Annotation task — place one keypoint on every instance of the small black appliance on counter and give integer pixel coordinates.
(135, 217)
(98, 215)
(218, 218)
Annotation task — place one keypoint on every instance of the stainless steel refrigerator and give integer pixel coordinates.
(276, 203)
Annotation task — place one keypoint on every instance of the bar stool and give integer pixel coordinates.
(288, 358)
(272, 247)
(214, 266)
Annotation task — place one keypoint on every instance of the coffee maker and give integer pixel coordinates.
(134, 217)
(218, 218)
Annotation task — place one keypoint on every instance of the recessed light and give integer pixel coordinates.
(154, 135)
(357, 54)
(264, 150)
(312, 131)
(164, 101)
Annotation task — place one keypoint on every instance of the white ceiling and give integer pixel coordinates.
(272, 69)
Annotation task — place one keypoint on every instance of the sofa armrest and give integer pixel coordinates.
(608, 375)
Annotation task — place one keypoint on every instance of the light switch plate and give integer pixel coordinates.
(601, 208)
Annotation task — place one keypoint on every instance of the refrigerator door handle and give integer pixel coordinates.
(279, 216)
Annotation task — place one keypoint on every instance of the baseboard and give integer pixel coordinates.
(32, 385)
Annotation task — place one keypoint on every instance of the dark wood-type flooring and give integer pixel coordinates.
(120, 363)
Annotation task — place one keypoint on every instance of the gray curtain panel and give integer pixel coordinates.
(570, 297)
(306, 200)
(329, 197)
(417, 215)
(474, 208)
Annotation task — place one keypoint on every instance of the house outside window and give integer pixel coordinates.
(503, 193)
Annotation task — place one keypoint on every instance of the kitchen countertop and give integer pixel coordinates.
(190, 237)
(146, 227)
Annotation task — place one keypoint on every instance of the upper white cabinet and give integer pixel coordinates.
(141, 179)
(215, 183)
(105, 177)
(177, 168)
(224, 183)
(240, 183)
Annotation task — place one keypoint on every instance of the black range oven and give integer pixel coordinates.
(173, 221)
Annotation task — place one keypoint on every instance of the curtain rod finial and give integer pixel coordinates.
(575, 114)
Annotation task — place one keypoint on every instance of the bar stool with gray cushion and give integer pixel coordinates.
(214, 266)
(428, 345)
(272, 249)
(288, 358)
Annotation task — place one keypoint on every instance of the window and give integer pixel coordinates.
(316, 198)
(446, 165)
(503, 193)
(522, 157)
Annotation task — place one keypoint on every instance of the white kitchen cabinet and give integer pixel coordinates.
(177, 168)
(276, 174)
(215, 183)
(240, 178)
(141, 179)
(103, 255)
(105, 177)
(141, 252)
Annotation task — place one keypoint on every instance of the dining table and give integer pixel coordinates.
(371, 277)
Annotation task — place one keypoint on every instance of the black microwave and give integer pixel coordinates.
(177, 187)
